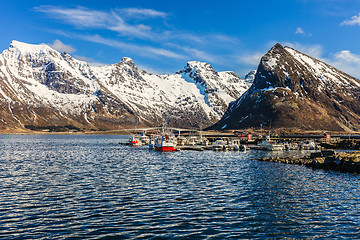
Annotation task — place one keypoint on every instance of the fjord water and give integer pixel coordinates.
(90, 187)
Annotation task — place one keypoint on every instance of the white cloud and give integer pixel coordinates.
(140, 12)
(355, 20)
(141, 50)
(299, 30)
(252, 59)
(315, 51)
(346, 61)
(200, 55)
(82, 17)
(224, 38)
(121, 22)
(347, 56)
(61, 47)
(90, 61)
(158, 40)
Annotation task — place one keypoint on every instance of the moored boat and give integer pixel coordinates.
(164, 143)
(145, 140)
(151, 143)
(271, 145)
(218, 145)
(181, 140)
(135, 140)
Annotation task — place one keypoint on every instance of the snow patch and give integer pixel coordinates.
(326, 73)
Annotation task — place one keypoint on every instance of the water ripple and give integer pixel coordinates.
(76, 187)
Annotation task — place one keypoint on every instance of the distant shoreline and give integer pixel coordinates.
(115, 132)
(274, 132)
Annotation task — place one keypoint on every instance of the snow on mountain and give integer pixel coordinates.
(37, 75)
(218, 88)
(326, 73)
(55, 88)
(292, 89)
(174, 96)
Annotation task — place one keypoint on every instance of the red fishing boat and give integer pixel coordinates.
(165, 143)
(135, 140)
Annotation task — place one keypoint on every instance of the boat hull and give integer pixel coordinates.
(165, 149)
(276, 148)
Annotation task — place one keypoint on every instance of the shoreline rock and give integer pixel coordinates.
(348, 162)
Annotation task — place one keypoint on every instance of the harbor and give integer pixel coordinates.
(200, 141)
(339, 153)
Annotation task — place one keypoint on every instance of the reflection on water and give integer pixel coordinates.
(60, 187)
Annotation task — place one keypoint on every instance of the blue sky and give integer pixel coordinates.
(161, 36)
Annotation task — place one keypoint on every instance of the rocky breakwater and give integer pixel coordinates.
(326, 159)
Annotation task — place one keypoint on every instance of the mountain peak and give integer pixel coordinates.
(278, 46)
(271, 58)
(29, 48)
(292, 89)
(199, 65)
(194, 70)
(128, 61)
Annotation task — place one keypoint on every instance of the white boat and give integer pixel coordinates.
(181, 140)
(218, 145)
(144, 139)
(234, 144)
(152, 141)
(243, 148)
(192, 141)
(310, 145)
(203, 141)
(164, 143)
(291, 146)
(135, 140)
(271, 146)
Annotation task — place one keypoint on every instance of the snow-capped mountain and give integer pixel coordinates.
(217, 94)
(294, 90)
(40, 86)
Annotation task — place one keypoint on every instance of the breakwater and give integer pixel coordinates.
(325, 159)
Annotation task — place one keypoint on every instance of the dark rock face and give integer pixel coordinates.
(293, 90)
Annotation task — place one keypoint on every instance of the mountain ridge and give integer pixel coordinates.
(57, 89)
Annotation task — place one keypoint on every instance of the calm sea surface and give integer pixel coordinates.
(90, 187)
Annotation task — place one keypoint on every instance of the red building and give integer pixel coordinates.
(327, 137)
(246, 137)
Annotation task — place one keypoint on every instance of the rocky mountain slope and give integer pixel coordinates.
(293, 90)
(42, 87)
